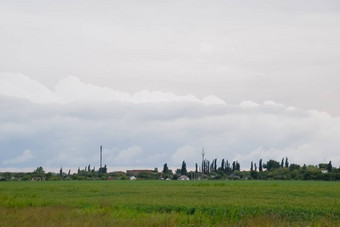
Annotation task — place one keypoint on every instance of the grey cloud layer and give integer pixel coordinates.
(150, 133)
(286, 51)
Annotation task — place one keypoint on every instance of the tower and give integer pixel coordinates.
(101, 156)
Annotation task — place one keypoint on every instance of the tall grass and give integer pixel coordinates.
(164, 203)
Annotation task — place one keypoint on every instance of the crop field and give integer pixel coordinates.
(170, 203)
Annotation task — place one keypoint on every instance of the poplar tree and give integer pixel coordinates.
(184, 168)
(329, 167)
(260, 165)
(165, 168)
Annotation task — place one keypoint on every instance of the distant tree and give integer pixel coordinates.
(61, 171)
(78, 170)
(203, 167)
(215, 165)
(69, 172)
(329, 167)
(251, 166)
(260, 165)
(294, 167)
(222, 164)
(207, 166)
(89, 168)
(39, 170)
(165, 168)
(227, 168)
(103, 169)
(323, 165)
(184, 168)
(286, 162)
(237, 166)
(255, 167)
(282, 161)
(272, 164)
(196, 168)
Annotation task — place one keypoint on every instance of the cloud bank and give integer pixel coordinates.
(65, 127)
(71, 89)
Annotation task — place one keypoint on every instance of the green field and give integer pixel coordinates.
(169, 203)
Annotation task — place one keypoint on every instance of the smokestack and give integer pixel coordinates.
(101, 156)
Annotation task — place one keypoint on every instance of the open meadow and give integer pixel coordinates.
(170, 203)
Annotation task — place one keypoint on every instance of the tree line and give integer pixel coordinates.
(272, 169)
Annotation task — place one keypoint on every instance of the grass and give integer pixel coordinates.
(170, 203)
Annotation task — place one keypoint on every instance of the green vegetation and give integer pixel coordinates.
(170, 203)
(273, 171)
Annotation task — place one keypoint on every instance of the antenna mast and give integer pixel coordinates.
(203, 153)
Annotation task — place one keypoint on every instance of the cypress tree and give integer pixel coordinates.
(260, 165)
(165, 168)
(184, 168)
(329, 167)
(286, 163)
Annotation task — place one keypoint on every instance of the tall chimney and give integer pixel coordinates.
(101, 156)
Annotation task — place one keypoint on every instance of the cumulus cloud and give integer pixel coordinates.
(22, 158)
(186, 153)
(71, 89)
(248, 104)
(130, 155)
(166, 129)
(21, 86)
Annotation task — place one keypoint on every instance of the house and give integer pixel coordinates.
(135, 172)
(183, 177)
(119, 172)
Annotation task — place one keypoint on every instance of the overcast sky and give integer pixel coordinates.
(155, 81)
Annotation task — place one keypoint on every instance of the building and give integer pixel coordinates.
(135, 172)
(183, 177)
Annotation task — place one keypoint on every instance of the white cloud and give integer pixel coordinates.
(166, 129)
(130, 155)
(248, 104)
(21, 86)
(272, 103)
(26, 156)
(186, 153)
(71, 89)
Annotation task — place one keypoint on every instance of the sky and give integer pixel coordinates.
(156, 81)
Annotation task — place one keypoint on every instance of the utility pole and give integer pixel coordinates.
(101, 156)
